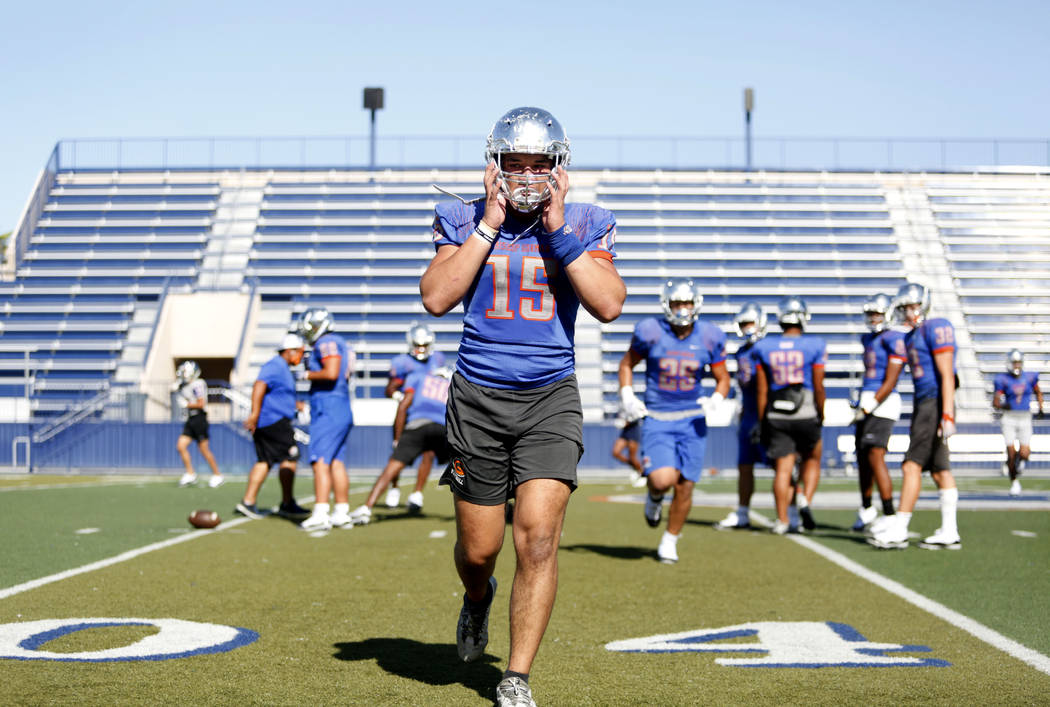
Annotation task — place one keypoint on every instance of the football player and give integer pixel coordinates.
(419, 428)
(193, 395)
(878, 408)
(676, 348)
(274, 405)
(789, 391)
(420, 354)
(521, 261)
(625, 449)
(751, 325)
(330, 367)
(1013, 396)
(930, 345)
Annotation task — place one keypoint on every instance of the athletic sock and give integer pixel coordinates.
(743, 512)
(887, 507)
(321, 508)
(479, 606)
(342, 508)
(904, 519)
(669, 537)
(865, 501)
(949, 504)
(524, 677)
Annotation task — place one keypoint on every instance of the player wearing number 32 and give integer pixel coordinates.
(521, 261)
(790, 391)
(930, 344)
(676, 350)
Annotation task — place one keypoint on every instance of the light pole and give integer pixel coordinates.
(749, 105)
(373, 102)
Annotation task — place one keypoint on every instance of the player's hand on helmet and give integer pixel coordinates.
(632, 408)
(947, 426)
(554, 209)
(495, 201)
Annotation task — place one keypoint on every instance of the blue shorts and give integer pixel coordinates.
(746, 452)
(679, 444)
(330, 423)
(632, 431)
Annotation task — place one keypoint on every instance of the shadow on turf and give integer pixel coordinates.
(619, 553)
(430, 663)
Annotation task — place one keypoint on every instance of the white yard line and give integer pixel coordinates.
(133, 481)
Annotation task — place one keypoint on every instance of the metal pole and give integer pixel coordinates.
(749, 105)
(372, 143)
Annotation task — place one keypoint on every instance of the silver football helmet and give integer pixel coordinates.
(911, 293)
(792, 311)
(1014, 362)
(680, 291)
(751, 322)
(187, 372)
(313, 323)
(878, 304)
(531, 131)
(420, 341)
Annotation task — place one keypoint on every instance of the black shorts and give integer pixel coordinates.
(873, 432)
(782, 437)
(632, 431)
(431, 437)
(501, 438)
(196, 427)
(926, 447)
(276, 443)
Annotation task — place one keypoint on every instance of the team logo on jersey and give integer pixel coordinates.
(785, 644)
(175, 639)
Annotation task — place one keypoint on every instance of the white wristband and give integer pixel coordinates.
(485, 232)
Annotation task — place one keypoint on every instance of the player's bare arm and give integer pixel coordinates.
(722, 380)
(889, 381)
(819, 394)
(761, 391)
(401, 416)
(330, 366)
(631, 358)
(258, 392)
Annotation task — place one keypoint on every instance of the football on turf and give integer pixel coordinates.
(204, 519)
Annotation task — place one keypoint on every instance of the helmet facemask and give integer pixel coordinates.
(876, 312)
(527, 131)
(314, 323)
(683, 294)
(912, 304)
(793, 313)
(1015, 362)
(420, 342)
(751, 322)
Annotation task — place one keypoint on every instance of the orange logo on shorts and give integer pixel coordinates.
(458, 470)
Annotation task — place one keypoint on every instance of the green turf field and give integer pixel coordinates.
(367, 616)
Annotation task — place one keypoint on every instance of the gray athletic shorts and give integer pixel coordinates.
(502, 438)
(1017, 426)
(926, 446)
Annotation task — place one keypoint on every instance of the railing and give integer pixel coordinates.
(31, 213)
(589, 151)
(71, 417)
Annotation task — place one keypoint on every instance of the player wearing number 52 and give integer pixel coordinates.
(522, 261)
(790, 392)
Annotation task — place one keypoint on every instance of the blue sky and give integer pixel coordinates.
(932, 68)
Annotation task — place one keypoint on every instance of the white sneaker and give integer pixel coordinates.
(514, 692)
(779, 528)
(1005, 470)
(341, 520)
(879, 525)
(1015, 488)
(317, 521)
(892, 536)
(415, 502)
(637, 480)
(654, 508)
(941, 540)
(733, 521)
(393, 497)
(216, 481)
(865, 517)
(361, 515)
(188, 479)
(667, 552)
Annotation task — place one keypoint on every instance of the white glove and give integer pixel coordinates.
(397, 396)
(302, 417)
(633, 408)
(869, 407)
(712, 404)
(299, 372)
(947, 426)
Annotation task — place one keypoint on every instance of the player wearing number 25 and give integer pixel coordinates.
(789, 375)
(521, 261)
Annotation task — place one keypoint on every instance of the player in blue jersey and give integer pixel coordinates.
(420, 354)
(676, 348)
(930, 344)
(330, 367)
(790, 394)
(274, 405)
(878, 408)
(1013, 397)
(521, 261)
(751, 325)
(419, 427)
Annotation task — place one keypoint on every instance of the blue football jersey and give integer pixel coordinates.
(879, 349)
(674, 367)
(789, 360)
(279, 400)
(520, 312)
(325, 346)
(404, 364)
(931, 337)
(429, 395)
(745, 378)
(1017, 390)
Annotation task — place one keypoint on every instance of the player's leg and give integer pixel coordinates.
(618, 451)
(182, 444)
(946, 536)
(391, 471)
(810, 474)
(286, 475)
(538, 516)
(783, 488)
(632, 455)
(1011, 460)
(205, 449)
(479, 539)
(256, 476)
(426, 464)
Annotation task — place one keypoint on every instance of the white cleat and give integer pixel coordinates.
(733, 521)
(393, 497)
(216, 481)
(341, 520)
(865, 517)
(362, 515)
(880, 524)
(188, 479)
(654, 508)
(415, 502)
(667, 552)
(637, 480)
(892, 536)
(317, 521)
(514, 692)
(1015, 488)
(941, 540)
(779, 528)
